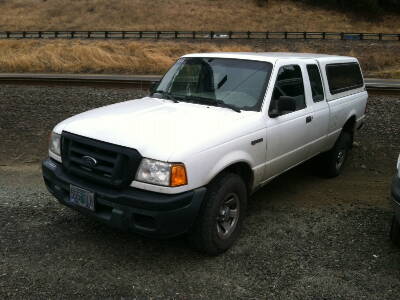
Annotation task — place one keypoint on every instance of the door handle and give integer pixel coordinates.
(309, 119)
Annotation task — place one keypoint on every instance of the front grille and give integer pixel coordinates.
(98, 161)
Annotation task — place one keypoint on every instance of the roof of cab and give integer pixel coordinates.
(270, 56)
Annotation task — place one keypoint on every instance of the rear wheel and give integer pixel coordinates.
(220, 220)
(395, 231)
(337, 156)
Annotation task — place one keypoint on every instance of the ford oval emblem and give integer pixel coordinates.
(89, 161)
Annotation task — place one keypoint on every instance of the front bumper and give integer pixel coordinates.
(144, 212)
(395, 191)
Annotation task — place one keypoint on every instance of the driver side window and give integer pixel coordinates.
(288, 84)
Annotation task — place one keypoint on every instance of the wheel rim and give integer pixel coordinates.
(228, 216)
(341, 156)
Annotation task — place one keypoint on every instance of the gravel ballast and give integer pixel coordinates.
(304, 236)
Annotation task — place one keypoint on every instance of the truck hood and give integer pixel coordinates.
(160, 129)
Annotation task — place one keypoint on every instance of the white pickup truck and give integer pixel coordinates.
(217, 127)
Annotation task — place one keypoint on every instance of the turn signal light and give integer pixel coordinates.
(178, 175)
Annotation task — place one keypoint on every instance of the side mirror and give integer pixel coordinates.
(153, 86)
(285, 104)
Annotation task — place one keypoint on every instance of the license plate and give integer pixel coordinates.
(81, 197)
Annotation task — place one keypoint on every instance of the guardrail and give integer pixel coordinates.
(143, 81)
(60, 34)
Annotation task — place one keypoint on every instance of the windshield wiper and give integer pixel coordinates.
(165, 95)
(209, 101)
(222, 82)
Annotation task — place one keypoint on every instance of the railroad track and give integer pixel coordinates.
(145, 81)
(139, 81)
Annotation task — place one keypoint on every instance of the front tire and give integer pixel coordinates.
(395, 231)
(220, 219)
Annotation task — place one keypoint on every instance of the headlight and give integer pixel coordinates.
(161, 173)
(55, 143)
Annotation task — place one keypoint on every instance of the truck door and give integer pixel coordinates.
(288, 132)
(315, 96)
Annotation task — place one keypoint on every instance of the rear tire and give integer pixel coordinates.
(336, 157)
(395, 231)
(220, 219)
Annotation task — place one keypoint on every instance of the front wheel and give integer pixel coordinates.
(395, 231)
(220, 220)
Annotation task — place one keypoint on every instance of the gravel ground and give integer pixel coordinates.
(304, 237)
(28, 113)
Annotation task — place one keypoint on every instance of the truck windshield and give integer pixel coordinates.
(233, 83)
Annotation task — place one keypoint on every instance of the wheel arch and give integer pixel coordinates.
(350, 126)
(241, 168)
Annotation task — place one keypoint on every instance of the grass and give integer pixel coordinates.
(98, 57)
(236, 15)
(155, 57)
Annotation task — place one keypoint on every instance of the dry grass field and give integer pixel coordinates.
(239, 15)
(154, 57)
(64, 56)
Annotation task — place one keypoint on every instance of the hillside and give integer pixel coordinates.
(378, 59)
(236, 15)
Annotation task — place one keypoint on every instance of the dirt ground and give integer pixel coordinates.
(305, 237)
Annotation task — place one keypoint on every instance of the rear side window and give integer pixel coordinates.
(316, 83)
(344, 77)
